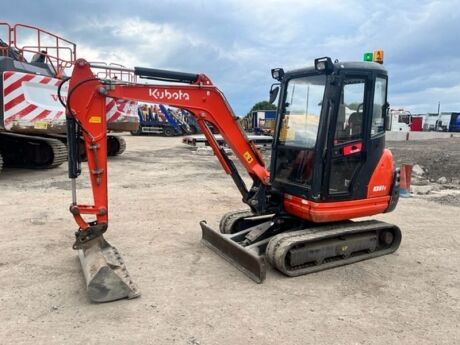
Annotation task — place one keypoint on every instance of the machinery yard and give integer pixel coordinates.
(159, 191)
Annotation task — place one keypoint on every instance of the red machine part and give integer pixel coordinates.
(59, 52)
(87, 101)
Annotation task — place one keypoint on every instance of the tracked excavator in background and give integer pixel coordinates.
(32, 120)
(329, 165)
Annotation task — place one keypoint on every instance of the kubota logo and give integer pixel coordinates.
(169, 95)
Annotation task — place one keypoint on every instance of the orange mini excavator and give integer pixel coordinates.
(328, 165)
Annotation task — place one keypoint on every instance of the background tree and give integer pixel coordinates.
(262, 105)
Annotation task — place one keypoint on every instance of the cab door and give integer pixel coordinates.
(346, 151)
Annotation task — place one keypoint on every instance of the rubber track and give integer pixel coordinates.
(229, 219)
(59, 150)
(121, 145)
(279, 245)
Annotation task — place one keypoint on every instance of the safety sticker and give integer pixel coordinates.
(41, 125)
(95, 119)
(248, 157)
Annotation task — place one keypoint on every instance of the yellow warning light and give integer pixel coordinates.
(378, 56)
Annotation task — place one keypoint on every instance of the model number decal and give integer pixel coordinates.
(379, 188)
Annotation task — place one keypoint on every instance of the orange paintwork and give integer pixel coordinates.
(378, 197)
(202, 99)
(323, 212)
(382, 178)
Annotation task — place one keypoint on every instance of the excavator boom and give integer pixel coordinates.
(86, 114)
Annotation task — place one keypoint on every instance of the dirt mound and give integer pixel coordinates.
(438, 158)
(449, 199)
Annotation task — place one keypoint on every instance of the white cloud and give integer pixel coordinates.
(237, 42)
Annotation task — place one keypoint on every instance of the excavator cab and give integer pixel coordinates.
(330, 133)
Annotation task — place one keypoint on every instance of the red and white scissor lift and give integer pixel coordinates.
(33, 63)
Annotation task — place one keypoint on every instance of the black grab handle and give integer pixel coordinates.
(165, 75)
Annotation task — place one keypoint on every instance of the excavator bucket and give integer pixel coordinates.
(105, 272)
(247, 259)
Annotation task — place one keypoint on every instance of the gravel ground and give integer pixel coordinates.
(159, 191)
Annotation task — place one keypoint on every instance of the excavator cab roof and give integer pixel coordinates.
(337, 66)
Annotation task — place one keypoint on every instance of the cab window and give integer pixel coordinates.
(378, 113)
(350, 117)
(300, 122)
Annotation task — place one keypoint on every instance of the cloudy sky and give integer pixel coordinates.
(236, 43)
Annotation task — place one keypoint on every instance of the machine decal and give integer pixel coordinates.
(169, 95)
(248, 157)
(95, 119)
(41, 125)
(379, 188)
(33, 98)
(28, 98)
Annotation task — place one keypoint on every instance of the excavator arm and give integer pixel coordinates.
(86, 117)
(86, 106)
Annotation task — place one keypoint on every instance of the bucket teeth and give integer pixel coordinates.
(107, 278)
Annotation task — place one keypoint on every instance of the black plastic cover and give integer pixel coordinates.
(165, 75)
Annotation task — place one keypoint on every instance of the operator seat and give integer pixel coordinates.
(355, 125)
(39, 57)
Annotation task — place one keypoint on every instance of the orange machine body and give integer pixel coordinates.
(378, 198)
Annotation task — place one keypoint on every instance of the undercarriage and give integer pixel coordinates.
(296, 247)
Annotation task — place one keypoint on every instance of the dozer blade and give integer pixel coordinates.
(245, 259)
(105, 272)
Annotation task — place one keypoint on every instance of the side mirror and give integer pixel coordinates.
(386, 111)
(275, 88)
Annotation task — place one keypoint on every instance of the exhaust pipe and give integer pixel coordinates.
(106, 276)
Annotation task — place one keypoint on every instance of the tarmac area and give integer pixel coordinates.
(159, 190)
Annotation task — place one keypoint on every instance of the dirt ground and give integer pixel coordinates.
(438, 157)
(159, 191)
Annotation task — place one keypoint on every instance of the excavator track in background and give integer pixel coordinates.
(116, 145)
(26, 151)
